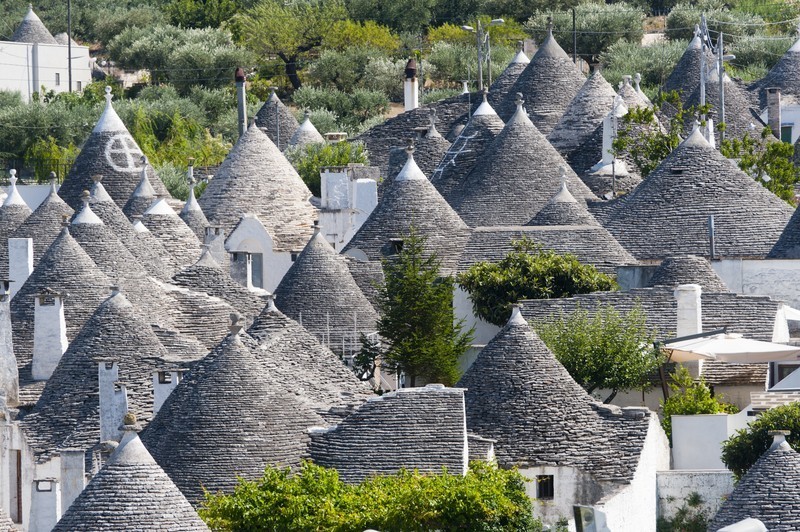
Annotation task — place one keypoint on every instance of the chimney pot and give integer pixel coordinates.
(239, 75)
(778, 437)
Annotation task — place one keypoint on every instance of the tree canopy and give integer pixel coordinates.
(528, 272)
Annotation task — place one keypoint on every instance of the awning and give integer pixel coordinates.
(728, 347)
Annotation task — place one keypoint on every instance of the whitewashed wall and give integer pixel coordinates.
(775, 278)
(675, 486)
(26, 67)
(697, 440)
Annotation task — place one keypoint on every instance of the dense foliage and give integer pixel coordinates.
(485, 499)
(309, 160)
(742, 450)
(608, 350)
(417, 322)
(527, 272)
(689, 397)
(654, 62)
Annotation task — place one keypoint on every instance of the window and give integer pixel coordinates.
(78, 85)
(15, 486)
(545, 487)
(257, 270)
(58, 79)
(782, 370)
(786, 134)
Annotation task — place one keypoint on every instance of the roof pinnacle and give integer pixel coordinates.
(550, 25)
(108, 96)
(236, 323)
(13, 178)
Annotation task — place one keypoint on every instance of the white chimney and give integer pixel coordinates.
(73, 475)
(9, 377)
(20, 262)
(113, 401)
(690, 316)
(411, 86)
(46, 500)
(49, 333)
(163, 384)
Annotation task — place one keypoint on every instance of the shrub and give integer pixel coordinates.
(352, 108)
(45, 155)
(527, 272)
(486, 499)
(506, 34)
(309, 160)
(325, 121)
(741, 451)
(438, 94)
(735, 24)
(688, 518)
(201, 13)
(690, 397)
(111, 21)
(654, 62)
(386, 75)
(10, 99)
(341, 69)
(759, 50)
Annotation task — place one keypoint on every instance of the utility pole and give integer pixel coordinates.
(69, 45)
(574, 38)
(703, 35)
(721, 70)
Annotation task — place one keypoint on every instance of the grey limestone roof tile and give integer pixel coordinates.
(514, 178)
(667, 214)
(412, 201)
(591, 244)
(193, 215)
(206, 275)
(418, 429)
(306, 134)
(277, 121)
(69, 408)
(130, 492)
(591, 153)
(32, 30)
(467, 149)
(767, 492)
(788, 244)
(785, 75)
(429, 148)
(687, 269)
(368, 275)
(227, 418)
(583, 115)
(518, 394)
(110, 152)
(141, 198)
(319, 292)
(685, 77)
(6, 524)
(13, 212)
(564, 209)
(256, 178)
(67, 269)
(197, 315)
(173, 233)
(502, 85)
(44, 224)
(548, 84)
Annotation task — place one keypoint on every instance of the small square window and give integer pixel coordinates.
(58, 79)
(786, 134)
(545, 487)
(79, 86)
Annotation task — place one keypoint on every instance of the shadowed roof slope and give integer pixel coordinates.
(227, 418)
(519, 394)
(667, 214)
(69, 407)
(419, 429)
(788, 245)
(502, 85)
(306, 134)
(173, 233)
(687, 269)
(466, 150)
(769, 492)
(130, 491)
(564, 209)
(193, 215)
(44, 224)
(412, 201)
(277, 121)
(785, 75)
(429, 148)
(685, 77)
(13, 213)
(256, 178)
(319, 291)
(142, 197)
(111, 152)
(548, 84)
(515, 177)
(583, 115)
(32, 30)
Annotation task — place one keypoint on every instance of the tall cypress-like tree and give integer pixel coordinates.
(417, 320)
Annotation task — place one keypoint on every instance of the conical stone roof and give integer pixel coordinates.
(44, 224)
(687, 269)
(193, 216)
(667, 214)
(412, 201)
(67, 269)
(277, 121)
(13, 213)
(131, 490)
(319, 292)
(514, 178)
(32, 30)
(207, 276)
(785, 75)
(467, 150)
(6, 524)
(429, 149)
(502, 85)
(583, 115)
(549, 83)
(178, 239)
(142, 197)
(69, 407)
(630, 95)
(740, 117)
(148, 251)
(769, 492)
(111, 152)
(519, 394)
(564, 209)
(788, 244)
(306, 134)
(228, 418)
(685, 77)
(256, 178)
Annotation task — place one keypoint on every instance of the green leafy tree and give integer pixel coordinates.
(741, 451)
(689, 397)
(311, 159)
(292, 30)
(400, 15)
(417, 321)
(767, 161)
(45, 156)
(351, 108)
(348, 33)
(201, 13)
(486, 499)
(527, 272)
(608, 350)
(654, 62)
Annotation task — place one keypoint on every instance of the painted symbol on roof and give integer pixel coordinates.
(122, 154)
